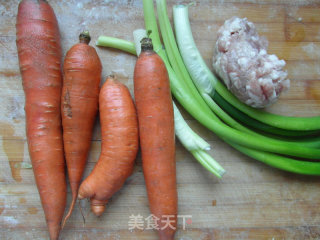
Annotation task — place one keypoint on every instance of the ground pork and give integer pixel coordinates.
(241, 60)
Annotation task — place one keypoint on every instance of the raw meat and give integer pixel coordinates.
(241, 60)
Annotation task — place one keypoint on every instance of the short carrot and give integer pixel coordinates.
(156, 129)
(120, 143)
(39, 51)
(79, 106)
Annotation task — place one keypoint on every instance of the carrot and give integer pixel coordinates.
(120, 143)
(156, 128)
(39, 51)
(79, 107)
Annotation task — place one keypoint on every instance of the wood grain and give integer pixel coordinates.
(252, 201)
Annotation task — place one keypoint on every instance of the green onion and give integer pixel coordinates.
(251, 122)
(270, 158)
(123, 45)
(197, 68)
(283, 163)
(200, 73)
(203, 78)
(116, 43)
(206, 78)
(138, 35)
(278, 121)
(195, 144)
(206, 117)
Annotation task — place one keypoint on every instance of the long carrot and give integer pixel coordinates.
(79, 107)
(39, 51)
(156, 126)
(120, 143)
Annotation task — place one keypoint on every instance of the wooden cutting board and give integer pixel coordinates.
(252, 200)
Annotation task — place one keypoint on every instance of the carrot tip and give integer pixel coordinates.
(83, 218)
(54, 231)
(80, 197)
(74, 199)
(98, 209)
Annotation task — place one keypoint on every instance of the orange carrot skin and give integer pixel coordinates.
(79, 107)
(120, 143)
(156, 130)
(39, 51)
